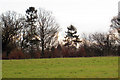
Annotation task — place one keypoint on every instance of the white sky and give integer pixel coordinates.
(86, 15)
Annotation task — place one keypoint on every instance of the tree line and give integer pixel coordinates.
(35, 35)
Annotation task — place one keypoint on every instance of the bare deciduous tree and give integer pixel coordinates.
(104, 42)
(10, 29)
(47, 29)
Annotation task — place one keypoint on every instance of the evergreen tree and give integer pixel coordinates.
(30, 41)
(116, 25)
(71, 38)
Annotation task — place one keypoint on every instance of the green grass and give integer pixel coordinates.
(90, 67)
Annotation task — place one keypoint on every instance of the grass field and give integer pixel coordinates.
(93, 67)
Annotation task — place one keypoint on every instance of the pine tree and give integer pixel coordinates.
(71, 38)
(116, 25)
(29, 35)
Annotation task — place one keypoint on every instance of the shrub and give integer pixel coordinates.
(82, 52)
(16, 54)
(37, 54)
(4, 55)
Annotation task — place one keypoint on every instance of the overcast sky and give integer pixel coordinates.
(86, 15)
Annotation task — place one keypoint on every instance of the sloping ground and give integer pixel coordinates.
(88, 67)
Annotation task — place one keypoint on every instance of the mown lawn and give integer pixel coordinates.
(83, 67)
